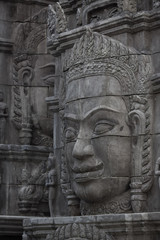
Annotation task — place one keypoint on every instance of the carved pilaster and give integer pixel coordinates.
(51, 182)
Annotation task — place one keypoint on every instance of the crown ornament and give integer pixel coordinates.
(97, 54)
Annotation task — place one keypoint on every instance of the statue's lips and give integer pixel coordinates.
(88, 173)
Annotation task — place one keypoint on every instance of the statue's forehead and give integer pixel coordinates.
(92, 86)
(82, 107)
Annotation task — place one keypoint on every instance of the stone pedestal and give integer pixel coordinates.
(139, 226)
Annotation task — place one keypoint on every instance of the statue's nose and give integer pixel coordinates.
(82, 149)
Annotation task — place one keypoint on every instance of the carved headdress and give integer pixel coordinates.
(95, 54)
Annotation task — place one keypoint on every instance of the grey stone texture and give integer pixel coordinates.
(79, 118)
(27, 77)
(141, 226)
(23, 174)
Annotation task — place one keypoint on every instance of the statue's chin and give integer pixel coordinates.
(100, 189)
(92, 191)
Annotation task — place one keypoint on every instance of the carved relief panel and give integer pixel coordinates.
(33, 78)
(32, 193)
(94, 11)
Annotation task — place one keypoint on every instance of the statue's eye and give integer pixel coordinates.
(103, 127)
(70, 134)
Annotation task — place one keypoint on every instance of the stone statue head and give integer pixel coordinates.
(33, 73)
(107, 124)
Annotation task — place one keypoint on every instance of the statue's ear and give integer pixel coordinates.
(26, 75)
(137, 122)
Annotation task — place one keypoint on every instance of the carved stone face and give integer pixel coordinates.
(97, 138)
(43, 79)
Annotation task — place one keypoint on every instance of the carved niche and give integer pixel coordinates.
(106, 123)
(33, 78)
(93, 11)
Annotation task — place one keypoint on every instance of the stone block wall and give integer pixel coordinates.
(131, 23)
(26, 125)
(93, 41)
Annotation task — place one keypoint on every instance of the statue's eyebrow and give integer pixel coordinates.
(47, 65)
(99, 108)
(71, 116)
(74, 117)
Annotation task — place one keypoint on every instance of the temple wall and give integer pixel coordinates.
(36, 93)
(23, 157)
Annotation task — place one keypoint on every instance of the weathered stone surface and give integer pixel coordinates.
(100, 79)
(122, 226)
(26, 182)
(11, 227)
(33, 76)
(96, 129)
